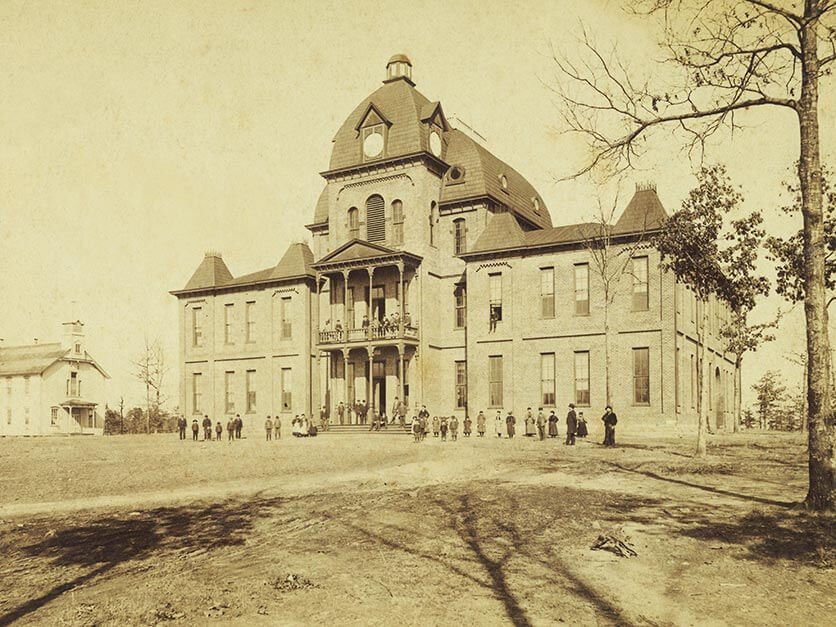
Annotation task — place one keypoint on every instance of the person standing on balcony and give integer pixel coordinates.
(338, 329)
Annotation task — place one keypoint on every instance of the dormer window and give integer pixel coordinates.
(374, 141)
(503, 181)
(535, 202)
(455, 174)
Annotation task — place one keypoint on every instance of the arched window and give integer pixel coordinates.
(433, 220)
(459, 236)
(375, 219)
(354, 223)
(397, 222)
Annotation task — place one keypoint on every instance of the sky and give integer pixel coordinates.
(136, 136)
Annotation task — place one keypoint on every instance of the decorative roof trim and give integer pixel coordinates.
(372, 107)
(360, 168)
(239, 287)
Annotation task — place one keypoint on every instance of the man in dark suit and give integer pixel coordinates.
(181, 426)
(571, 425)
(610, 420)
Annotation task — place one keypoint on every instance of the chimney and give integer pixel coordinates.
(35, 340)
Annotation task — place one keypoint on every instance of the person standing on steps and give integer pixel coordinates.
(341, 412)
(610, 420)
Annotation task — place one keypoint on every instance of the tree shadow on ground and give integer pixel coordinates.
(104, 542)
(775, 536)
(699, 486)
(502, 545)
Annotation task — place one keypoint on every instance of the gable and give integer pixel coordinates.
(356, 249)
(372, 117)
(433, 114)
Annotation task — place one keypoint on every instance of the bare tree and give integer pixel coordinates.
(730, 56)
(150, 369)
(611, 255)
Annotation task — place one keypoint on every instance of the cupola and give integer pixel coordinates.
(399, 67)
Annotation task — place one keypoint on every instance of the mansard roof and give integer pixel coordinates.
(401, 105)
(294, 264)
(482, 176)
(644, 213)
(211, 272)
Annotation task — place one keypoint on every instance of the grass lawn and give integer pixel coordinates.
(137, 530)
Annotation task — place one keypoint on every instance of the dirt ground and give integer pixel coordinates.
(354, 530)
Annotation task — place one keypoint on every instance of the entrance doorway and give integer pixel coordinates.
(378, 303)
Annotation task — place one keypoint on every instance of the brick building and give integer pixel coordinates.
(435, 276)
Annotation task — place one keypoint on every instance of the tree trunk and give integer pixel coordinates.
(607, 349)
(822, 465)
(737, 402)
(702, 422)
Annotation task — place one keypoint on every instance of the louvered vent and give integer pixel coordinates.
(376, 219)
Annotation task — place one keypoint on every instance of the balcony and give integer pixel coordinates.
(369, 334)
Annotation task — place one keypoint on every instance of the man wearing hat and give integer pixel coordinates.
(571, 425)
(610, 420)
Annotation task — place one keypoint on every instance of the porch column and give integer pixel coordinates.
(369, 380)
(348, 408)
(319, 339)
(401, 356)
(400, 300)
(370, 270)
(346, 325)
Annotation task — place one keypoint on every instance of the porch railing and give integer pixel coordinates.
(409, 332)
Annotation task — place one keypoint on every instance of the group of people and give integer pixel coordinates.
(535, 426)
(386, 326)
(442, 426)
(234, 426)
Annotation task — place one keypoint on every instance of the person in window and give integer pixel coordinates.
(494, 318)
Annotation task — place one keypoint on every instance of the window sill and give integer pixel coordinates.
(641, 405)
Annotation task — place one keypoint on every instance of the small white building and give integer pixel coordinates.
(51, 389)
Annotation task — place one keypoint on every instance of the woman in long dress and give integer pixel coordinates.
(530, 423)
(552, 425)
(583, 431)
(499, 424)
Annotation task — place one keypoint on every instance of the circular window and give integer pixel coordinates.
(373, 145)
(536, 202)
(435, 144)
(456, 173)
(503, 180)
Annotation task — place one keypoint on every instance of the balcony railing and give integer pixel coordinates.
(409, 332)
